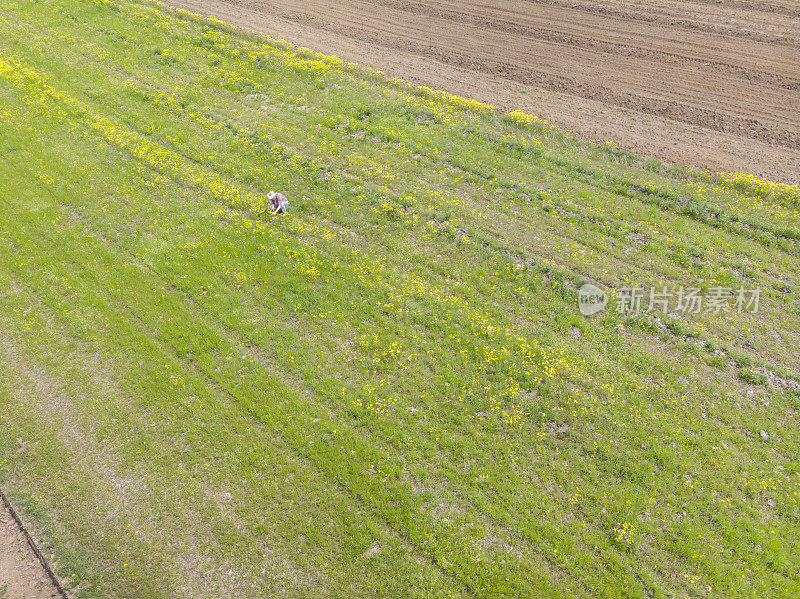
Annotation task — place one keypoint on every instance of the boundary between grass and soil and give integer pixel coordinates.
(32, 544)
(743, 182)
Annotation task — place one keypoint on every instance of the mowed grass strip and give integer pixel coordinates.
(410, 396)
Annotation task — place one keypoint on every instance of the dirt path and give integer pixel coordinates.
(699, 82)
(21, 573)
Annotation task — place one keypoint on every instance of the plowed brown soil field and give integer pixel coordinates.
(709, 83)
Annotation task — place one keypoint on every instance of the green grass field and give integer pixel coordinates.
(389, 391)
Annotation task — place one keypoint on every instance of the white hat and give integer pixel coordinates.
(270, 195)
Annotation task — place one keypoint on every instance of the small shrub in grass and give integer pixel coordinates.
(680, 329)
(718, 361)
(624, 536)
(645, 322)
(391, 210)
(562, 289)
(750, 375)
(789, 195)
(788, 233)
(691, 348)
(363, 113)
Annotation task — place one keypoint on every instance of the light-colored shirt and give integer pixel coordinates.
(279, 200)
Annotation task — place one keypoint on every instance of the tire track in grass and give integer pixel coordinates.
(635, 190)
(559, 163)
(628, 194)
(617, 189)
(337, 477)
(244, 403)
(118, 136)
(343, 478)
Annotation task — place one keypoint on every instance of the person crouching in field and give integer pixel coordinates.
(278, 202)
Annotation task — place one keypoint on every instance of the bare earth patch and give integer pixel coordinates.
(21, 572)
